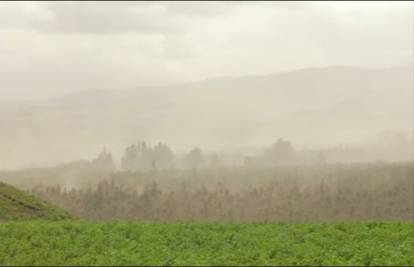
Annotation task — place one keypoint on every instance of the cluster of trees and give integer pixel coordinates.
(194, 159)
(104, 161)
(318, 193)
(280, 153)
(142, 157)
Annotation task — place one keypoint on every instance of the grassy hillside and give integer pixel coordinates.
(18, 205)
(121, 243)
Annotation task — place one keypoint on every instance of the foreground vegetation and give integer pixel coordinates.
(122, 243)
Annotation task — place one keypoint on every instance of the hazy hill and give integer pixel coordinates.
(312, 107)
(18, 205)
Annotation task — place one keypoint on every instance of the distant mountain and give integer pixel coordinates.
(317, 106)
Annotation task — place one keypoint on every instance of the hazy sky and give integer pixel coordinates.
(51, 48)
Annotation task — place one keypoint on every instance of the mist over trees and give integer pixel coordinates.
(104, 161)
(143, 157)
(238, 194)
(194, 159)
(281, 152)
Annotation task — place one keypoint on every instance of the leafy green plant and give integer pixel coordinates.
(124, 243)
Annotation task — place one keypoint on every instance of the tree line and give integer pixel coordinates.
(142, 156)
(289, 193)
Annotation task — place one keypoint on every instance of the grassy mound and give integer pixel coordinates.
(18, 205)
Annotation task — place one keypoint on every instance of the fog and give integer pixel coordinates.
(228, 77)
(210, 111)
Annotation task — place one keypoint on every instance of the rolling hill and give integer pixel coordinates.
(332, 105)
(18, 205)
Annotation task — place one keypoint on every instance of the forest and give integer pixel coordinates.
(154, 185)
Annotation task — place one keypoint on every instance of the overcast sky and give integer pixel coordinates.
(50, 48)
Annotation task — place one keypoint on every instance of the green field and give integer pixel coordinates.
(122, 243)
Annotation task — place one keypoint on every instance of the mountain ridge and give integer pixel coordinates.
(218, 114)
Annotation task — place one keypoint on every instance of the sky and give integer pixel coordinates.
(49, 49)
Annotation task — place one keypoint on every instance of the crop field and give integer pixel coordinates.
(73, 242)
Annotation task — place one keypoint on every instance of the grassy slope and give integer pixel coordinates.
(18, 205)
(122, 243)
